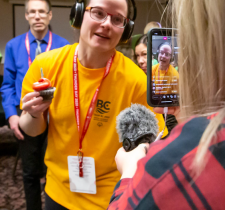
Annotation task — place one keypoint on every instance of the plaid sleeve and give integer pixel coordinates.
(125, 194)
(165, 179)
(119, 188)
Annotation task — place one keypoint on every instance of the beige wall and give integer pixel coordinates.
(6, 25)
(147, 11)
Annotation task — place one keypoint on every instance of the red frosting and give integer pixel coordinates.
(42, 84)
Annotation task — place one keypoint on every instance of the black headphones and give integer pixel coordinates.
(77, 13)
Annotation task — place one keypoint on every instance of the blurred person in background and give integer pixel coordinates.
(151, 25)
(141, 53)
(20, 52)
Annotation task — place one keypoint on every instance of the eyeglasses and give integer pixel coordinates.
(41, 13)
(164, 53)
(100, 15)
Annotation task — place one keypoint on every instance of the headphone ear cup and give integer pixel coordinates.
(76, 15)
(72, 14)
(128, 30)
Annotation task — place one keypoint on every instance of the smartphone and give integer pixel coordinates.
(162, 69)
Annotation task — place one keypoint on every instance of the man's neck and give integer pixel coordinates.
(92, 59)
(163, 68)
(39, 34)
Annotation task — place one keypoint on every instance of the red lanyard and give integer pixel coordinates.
(28, 46)
(90, 109)
(162, 79)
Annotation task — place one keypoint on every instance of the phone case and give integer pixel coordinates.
(160, 100)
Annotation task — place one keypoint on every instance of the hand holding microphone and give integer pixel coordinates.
(127, 161)
(137, 127)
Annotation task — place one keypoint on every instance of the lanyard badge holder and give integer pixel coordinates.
(82, 178)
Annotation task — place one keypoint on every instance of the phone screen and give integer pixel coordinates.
(162, 68)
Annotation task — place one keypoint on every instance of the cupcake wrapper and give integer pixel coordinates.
(47, 94)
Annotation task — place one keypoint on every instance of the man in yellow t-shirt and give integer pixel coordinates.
(165, 78)
(71, 67)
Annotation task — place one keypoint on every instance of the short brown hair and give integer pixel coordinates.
(129, 7)
(47, 1)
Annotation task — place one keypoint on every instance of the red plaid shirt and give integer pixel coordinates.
(163, 179)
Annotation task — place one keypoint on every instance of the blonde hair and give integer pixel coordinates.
(151, 25)
(201, 28)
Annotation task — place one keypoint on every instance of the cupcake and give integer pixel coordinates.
(43, 86)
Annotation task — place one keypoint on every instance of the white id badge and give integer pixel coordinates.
(87, 183)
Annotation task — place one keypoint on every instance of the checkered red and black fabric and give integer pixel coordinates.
(164, 179)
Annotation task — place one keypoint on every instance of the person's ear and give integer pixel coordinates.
(50, 15)
(26, 16)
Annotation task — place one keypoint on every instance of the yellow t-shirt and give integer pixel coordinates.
(125, 84)
(166, 82)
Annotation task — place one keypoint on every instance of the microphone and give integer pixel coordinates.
(136, 125)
